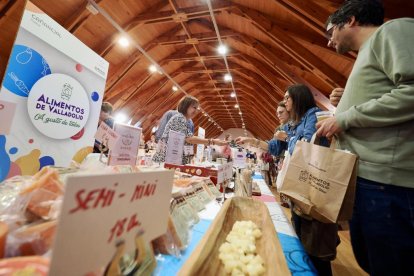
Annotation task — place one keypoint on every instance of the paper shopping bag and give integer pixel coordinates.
(321, 181)
(282, 173)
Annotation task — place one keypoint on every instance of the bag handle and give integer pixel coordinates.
(316, 140)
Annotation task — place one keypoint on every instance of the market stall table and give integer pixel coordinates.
(296, 257)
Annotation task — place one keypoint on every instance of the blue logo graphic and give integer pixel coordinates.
(26, 67)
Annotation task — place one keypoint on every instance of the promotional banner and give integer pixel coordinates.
(104, 216)
(51, 97)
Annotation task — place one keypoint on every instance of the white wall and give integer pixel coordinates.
(234, 132)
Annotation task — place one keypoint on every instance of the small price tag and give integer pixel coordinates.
(188, 150)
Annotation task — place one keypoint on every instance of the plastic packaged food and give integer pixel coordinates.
(34, 265)
(202, 194)
(43, 192)
(32, 239)
(194, 201)
(169, 243)
(4, 229)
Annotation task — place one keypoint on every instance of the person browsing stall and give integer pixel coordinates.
(319, 239)
(375, 120)
(187, 109)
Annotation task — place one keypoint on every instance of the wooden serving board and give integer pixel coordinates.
(204, 260)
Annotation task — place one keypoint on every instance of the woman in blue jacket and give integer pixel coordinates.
(301, 106)
(319, 239)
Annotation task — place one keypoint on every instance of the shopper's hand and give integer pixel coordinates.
(281, 135)
(242, 140)
(220, 142)
(328, 128)
(336, 96)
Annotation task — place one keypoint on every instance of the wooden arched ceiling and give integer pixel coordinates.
(273, 43)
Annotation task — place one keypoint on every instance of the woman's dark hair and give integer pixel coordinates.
(107, 107)
(366, 12)
(302, 101)
(185, 103)
(281, 104)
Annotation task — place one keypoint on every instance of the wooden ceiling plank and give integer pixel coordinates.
(201, 37)
(279, 65)
(323, 71)
(169, 16)
(78, 18)
(131, 63)
(6, 8)
(307, 12)
(107, 45)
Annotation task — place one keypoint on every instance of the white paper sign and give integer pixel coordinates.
(101, 211)
(174, 154)
(189, 150)
(200, 148)
(125, 151)
(239, 160)
(7, 110)
(224, 172)
(220, 174)
(228, 170)
(106, 135)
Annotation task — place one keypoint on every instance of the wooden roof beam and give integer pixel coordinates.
(108, 44)
(201, 37)
(121, 72)
(187, 13)
(6, 8)
(275, 62)
(210, 70)
(78, 18)
(125, 70)
(306, 58)
(204, 56)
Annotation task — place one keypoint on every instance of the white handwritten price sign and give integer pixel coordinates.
(224, 172)
(99, 212)
(106, 135)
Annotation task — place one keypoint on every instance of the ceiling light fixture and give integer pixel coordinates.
(222, 49)
(123, 41)
(174, 88)
(153, 68)
(233, 94)
(120, 118)
(227, 77)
